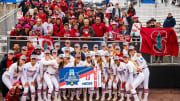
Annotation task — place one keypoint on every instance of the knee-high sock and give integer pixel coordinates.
(146, 93)
(33, 95)
(110, 92)
(24, 97)
(128, 95)
(133, 92)
(97, 92)
(122, 93)
(103, 92)
(39, 93)
(44, 93)
(91, 93)
(140, 93)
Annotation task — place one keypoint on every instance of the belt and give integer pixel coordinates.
(50, 74)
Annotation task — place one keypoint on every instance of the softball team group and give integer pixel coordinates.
(125, 76)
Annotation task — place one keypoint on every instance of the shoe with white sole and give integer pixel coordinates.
(77, 97)
(102, 98)
(90, 99)
(85, 99)
(64, 97)
(72, 98)
(97, 98)
(122, 99)
(115, 98)
(109, 98)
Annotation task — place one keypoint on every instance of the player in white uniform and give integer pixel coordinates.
(68, 44)
(119, 71)
(77, 63)
(141, 62)
(104, 50)
(54, 54)
(85, 49)
(95, 49)
(14, 73)
(110, 50)
(107, 64)
(88, 63)
(41, 83)
(30, 73)
(66, 63)
(51, 80)
(38, 53)
(125, 48)
(99, 65)
(68, 52)
(135, 77)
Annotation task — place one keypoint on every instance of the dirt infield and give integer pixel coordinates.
(155, 95)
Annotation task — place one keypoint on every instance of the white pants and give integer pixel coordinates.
(6, 80)
(51, 82)
(26, 88)
(136, 82)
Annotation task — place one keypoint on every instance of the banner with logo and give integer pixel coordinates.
(45, 42)
(123, 38)
(79, 77)
(135, 31)
(159, 41)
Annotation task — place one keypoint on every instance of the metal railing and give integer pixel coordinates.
(8, 21)
(22, 41)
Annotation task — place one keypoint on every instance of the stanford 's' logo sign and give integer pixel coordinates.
(159, 38)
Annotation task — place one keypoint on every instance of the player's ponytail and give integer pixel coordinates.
(109, 62)
(100, 62)
(61, 64)
(17, 70)
(75, 63)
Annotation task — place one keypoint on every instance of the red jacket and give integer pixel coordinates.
(63, 7)
(17, 56)
(14, 33)
(75, 33)
(120, 56)
(9, 62)
(53, 7)
(57, 29)
(42, 16)
(100, 29)
(30, 49)
(63, 33)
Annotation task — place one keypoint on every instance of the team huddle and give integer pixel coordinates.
(123, 74)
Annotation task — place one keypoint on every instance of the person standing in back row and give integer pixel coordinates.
(116, 12)
(170, 21)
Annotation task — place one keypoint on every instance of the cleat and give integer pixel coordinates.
(64, 97)
(122, 99)
(103, 98)
(109, 98)
(77, 97)
(97, 98)
(72, 98)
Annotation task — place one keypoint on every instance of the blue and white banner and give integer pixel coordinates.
(79, 77)
(11, 1)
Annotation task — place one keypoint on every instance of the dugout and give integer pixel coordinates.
(164, 76)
